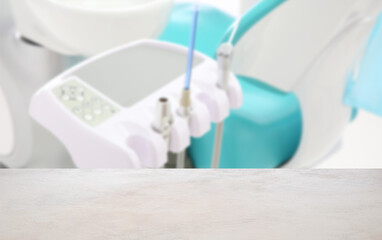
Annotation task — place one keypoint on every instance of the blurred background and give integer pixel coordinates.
(360, 146)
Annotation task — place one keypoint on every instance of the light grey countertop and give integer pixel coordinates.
(190, 204)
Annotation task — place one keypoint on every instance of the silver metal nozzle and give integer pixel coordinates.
(185, 112)
(163, 118)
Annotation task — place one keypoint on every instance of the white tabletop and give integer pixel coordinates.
(170, 204)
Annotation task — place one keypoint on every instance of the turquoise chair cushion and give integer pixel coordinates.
(266, 131)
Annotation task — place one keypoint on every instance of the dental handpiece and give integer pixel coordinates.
(185, 112)
(163, 119)
(185, 101)
(224, 58)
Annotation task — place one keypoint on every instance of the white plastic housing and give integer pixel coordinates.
(7, 136)
(131, 79)
(282, 46)
(321, 94)
(89, 27)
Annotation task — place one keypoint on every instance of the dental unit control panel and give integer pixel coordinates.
(114, 128)
(84, 103)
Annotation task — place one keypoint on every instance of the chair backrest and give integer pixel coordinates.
(280, 48)
(321, 94)
(309, 47)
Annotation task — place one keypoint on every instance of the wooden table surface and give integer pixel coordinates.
(190, 204)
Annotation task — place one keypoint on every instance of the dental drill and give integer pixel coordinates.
(163, 119)
(224, 59)
(185, 112)
(185, 101)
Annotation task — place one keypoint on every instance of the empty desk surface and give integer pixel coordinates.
(190, 204)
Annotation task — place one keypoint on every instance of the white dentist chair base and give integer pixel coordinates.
(113, 128)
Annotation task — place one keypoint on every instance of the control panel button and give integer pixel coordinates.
(88, 117)
(98, 112)
(84, 103)
(65, 97)
(106, 107)
(77, 110)
(95, 100)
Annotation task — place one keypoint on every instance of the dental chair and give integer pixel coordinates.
(293, 67)
(293, 113)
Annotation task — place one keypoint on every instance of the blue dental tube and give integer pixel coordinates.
(191, 48)
(185, 101)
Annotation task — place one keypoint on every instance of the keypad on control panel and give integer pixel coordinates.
(84, 103)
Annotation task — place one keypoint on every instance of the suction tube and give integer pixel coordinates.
(249, 19)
